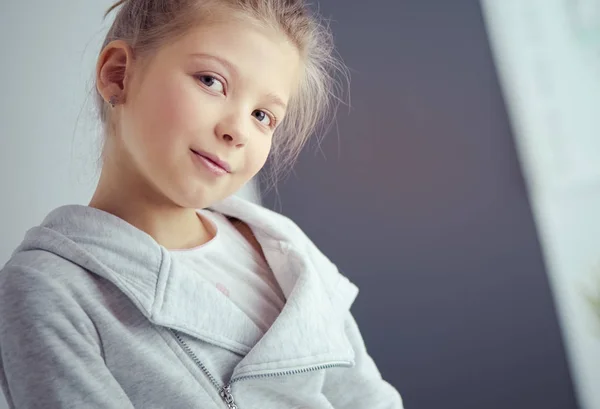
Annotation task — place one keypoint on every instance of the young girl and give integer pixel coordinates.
(167, 291)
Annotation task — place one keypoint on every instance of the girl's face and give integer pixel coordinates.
(198, 124)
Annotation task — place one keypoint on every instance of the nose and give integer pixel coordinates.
(233, 129)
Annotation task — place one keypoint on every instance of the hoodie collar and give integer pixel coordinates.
(168, 293)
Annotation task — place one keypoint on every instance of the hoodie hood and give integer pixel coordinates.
(169, 294)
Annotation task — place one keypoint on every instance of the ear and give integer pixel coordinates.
(113, 70)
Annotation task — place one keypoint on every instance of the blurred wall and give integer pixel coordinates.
(548, 57)
(419, 198)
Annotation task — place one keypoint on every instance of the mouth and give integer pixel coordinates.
(213, 161)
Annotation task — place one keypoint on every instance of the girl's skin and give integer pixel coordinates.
(220, 89)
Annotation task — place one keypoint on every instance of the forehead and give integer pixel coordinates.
(255, 53)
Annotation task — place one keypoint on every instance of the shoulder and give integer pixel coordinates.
(42, 303)
(38, 264)
(39, 282)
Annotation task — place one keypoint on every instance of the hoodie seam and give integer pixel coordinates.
(160, 269)
(100, 341)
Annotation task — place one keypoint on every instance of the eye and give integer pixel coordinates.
(212, 83)
(271, 121)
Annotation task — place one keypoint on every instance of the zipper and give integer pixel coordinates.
(225, 390)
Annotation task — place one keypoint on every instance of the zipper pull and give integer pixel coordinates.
(228, 397)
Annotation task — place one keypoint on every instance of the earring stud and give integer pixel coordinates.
(113, 101)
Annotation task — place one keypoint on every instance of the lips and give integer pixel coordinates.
(214, 159)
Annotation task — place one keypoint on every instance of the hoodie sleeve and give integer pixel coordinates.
(50, 351)
(361, 386)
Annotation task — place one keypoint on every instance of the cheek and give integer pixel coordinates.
(257, 156)
(167, 110)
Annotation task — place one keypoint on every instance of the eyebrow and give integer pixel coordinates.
(274, 98)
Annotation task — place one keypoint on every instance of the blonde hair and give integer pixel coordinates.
(146, 25)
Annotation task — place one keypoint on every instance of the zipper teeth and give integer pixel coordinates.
(291, 372)
(220, 389)
(191, 353)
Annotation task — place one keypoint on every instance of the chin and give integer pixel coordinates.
(199, 198)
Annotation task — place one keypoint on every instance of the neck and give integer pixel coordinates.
(134, 201)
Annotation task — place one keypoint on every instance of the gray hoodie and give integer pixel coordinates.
(94, 313)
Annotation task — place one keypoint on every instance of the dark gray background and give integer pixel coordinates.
(421, 202)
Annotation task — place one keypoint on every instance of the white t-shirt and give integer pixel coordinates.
(230, 263)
